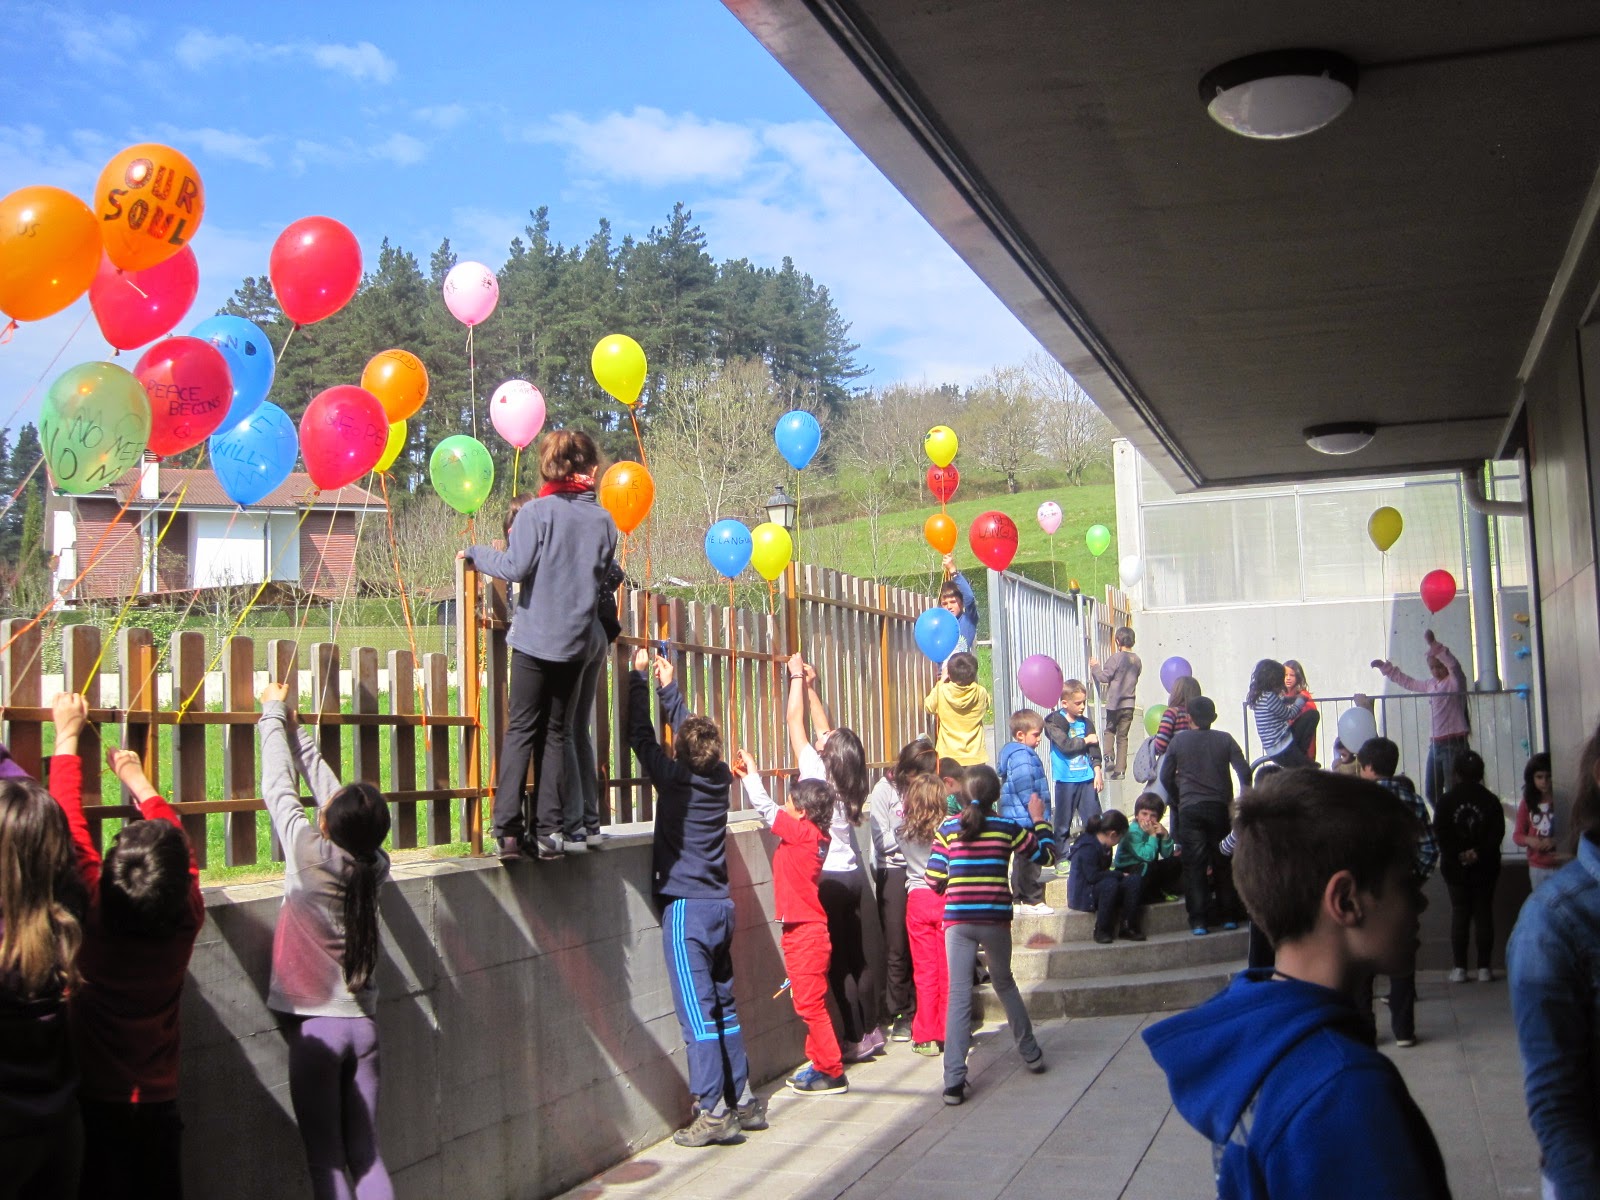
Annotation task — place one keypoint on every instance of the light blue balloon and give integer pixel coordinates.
(728, 546)
(250, 361)
(798, 435)
(937, 633)
(252, 459)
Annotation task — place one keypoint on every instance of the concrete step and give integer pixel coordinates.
(1112, 995)
(1069, 926)
(1162, 952)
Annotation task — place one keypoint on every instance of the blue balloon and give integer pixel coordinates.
(937, 633)
(252, 459)
(798, 435)
(249, 357)
(728, 546)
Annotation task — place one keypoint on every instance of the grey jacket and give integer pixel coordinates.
(558, 551)
(1118, 676)
(308, 942)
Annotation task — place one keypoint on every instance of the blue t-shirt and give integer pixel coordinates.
(1077, 768)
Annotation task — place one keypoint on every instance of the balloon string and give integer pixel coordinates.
(243, 613)
(134, 591)
(400, 581)
(292, 330)
(322, 562)
(361, 525)
(472, 373)
(194, 593)
(516, 471)
(48, 367)
(643, 461)
(9, 332)
(732, 723)
(772, 597)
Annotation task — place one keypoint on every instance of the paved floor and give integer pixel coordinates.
(1098, 1124)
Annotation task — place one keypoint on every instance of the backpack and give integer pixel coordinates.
(1146, 762)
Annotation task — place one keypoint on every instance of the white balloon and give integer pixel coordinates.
(1132, 569)
(1357, 727)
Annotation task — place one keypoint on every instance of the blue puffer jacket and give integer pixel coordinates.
(1021, 777)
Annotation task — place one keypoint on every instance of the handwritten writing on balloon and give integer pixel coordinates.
(147, 181)
(81, 450)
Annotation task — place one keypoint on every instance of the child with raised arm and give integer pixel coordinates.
(802, 828)
(1302, 1104)
(689, 865)
(325, 954)
(959, 702)
(1446, 689)
(145, 911)
(968, 865)
(957, 598)
(1118, 678)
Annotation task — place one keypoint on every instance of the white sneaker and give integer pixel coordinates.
(1485, 975)
(1043, 910)
(1458, 975)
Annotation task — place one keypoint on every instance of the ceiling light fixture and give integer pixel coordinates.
(1279, 94)
(1340, 437)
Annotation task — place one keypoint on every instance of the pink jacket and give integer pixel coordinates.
(1447, 697)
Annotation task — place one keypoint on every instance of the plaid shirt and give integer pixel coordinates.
(1427, 847)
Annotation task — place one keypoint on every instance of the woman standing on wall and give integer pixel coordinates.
(559, 551)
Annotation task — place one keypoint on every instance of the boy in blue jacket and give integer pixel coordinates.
(958, 599)
(689, 866)
(1022, 779)
(1302, 1104)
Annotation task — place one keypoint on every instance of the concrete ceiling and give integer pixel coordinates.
(1215, 295)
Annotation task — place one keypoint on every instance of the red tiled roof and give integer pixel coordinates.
(205, 491)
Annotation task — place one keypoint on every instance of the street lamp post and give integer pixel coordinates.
(782, 511)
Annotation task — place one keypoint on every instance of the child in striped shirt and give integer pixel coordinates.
(971, 866)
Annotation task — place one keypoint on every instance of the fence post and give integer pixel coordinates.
(325, 699)
(137, 666)
(886, 674)
(283, 666)
(80, 655)
(24, 690)
(436, 699)
(189, 740)
(469, 621)
(239, 751)
(403, 746)
(364, 699)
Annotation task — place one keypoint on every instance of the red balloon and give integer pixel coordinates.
(342, 435)
(190, 389)
(994, 540)
(315, 269)
(943, 482)
(1438, 589)
(136, 307)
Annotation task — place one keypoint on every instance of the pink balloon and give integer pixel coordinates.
(1049, 516)
(1039, 677)
(470, 292)
(517, 410)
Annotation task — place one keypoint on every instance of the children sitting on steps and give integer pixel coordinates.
(689, 878)
(1149, 851)
(1302, 1103)
(1093, 886)
(1074, 762)
(959, 703)
(1022, 780)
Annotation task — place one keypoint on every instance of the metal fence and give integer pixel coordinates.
(1027, 618)
(1502, 732)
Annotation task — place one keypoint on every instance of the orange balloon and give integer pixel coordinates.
(49, 251)
(627, 492)
(399, 381)
(940, 531)
(149, 201)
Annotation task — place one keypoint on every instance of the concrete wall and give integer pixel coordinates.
(528, 1033)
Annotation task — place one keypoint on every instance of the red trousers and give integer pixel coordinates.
(925, 925)
(806, 951)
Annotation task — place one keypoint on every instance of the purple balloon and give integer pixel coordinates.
(1174, 669)
(1040, 680)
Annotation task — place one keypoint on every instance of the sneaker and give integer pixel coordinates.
(1130, 934)
(957, 1094)
(596, 838)
(706, 1129)
(1230, 924)
(546, 846)
(900, 1031)
(1102, 938)
(1458, 974)
(1061, 873)
(510, 849)
(873, 1043)
(1035, 910)
(1199, 930)
(928, 1049)
(808, 1081)
(1485, 975)
(753, 1114)
(574, 843)
(1405, 1043)
(1037, 1065)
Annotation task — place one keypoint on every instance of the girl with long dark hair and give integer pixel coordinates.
(1535, 828)
(325, 953)
(1275, 716)
(886, 806)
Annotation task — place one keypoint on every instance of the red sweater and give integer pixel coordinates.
(125, 1014)
(796, 868)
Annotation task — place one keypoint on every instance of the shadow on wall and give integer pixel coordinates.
(526, 1022)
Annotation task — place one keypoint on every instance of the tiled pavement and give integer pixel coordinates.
(1098, 1124)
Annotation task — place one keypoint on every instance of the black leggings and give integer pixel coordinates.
(850, 978)
(1472, 904)
(540, 710)
(900, 992)
(1201, 828)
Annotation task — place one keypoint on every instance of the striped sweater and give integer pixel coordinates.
(975, 874)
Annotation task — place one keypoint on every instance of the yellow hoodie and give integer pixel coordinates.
(959, 709)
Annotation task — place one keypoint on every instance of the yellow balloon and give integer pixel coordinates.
(1384, 527)
(392, 448)
(940, 445)
(773, 548)
(619, 367)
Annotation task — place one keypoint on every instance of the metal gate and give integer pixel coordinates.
(1028, 618)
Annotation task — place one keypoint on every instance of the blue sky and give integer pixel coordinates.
(420, 122)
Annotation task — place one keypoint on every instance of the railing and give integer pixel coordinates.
(1027, 618)
(1502, 732)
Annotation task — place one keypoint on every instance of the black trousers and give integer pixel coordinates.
(1160, 877)
(135, 1151)
(850, 976)
(1026, 886)
(1304, 731)
(900, 991)
(1472, 908)
(1402, 1007)
(1201, 828)
(541, 712)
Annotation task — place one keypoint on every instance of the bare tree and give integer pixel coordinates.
(1073, 432)
(1002, 420)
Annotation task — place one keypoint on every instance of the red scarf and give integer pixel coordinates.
(571, 485)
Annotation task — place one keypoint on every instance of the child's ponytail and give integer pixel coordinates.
(1110, 821)
(358, 822)
(983, 793)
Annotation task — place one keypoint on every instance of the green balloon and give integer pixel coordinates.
(1098, 539)
(462, 472)
(1152, 718)
(94, 425)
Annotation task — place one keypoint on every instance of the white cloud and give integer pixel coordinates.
(398, 149)
(104, 41)
(650, 147)
(198, 49)
(222, 143)
(401, 149)
(442, 116)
